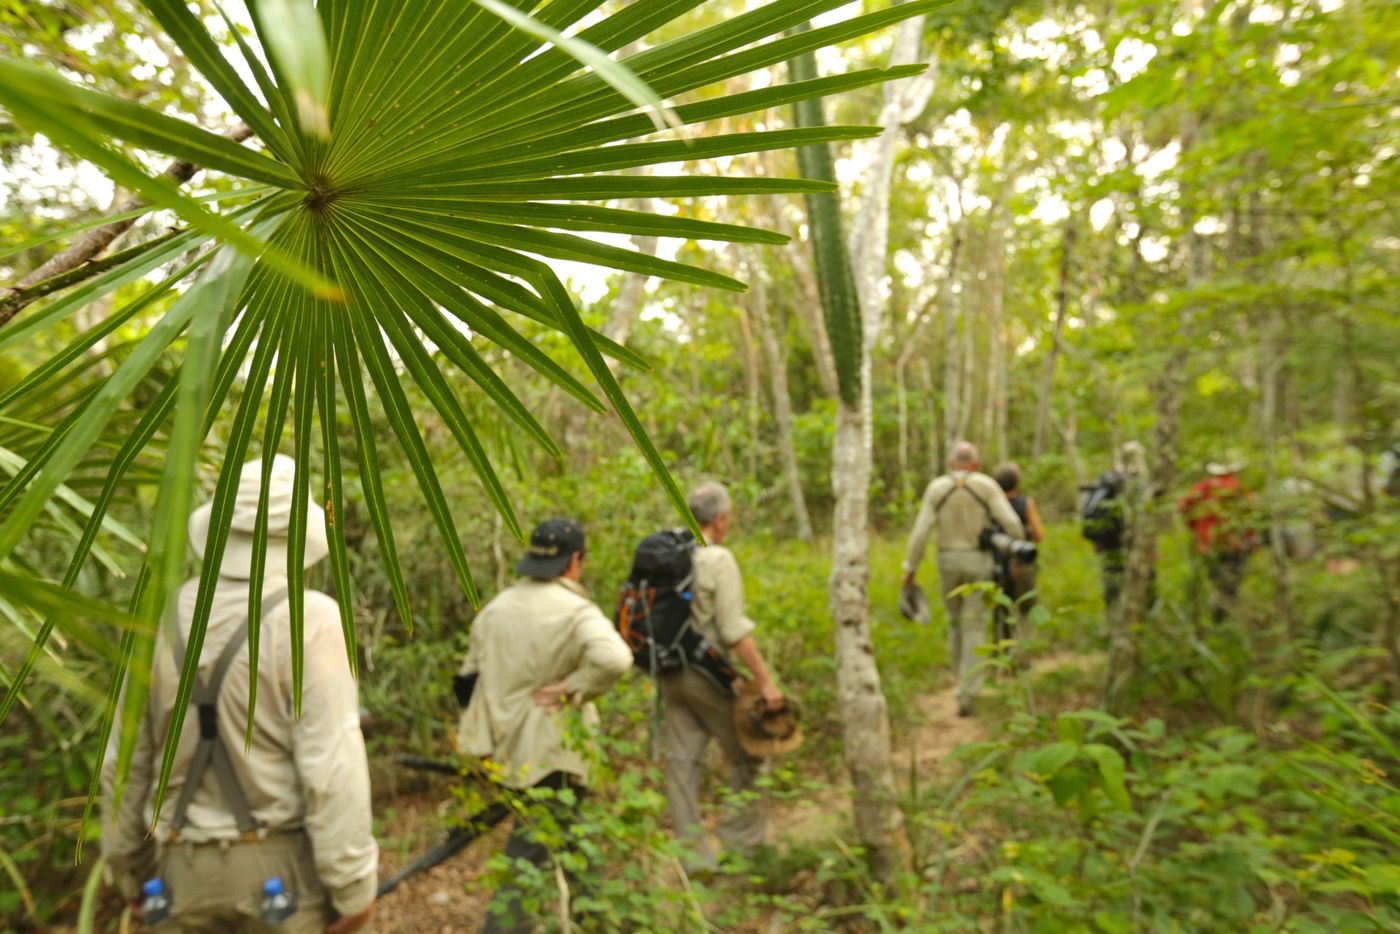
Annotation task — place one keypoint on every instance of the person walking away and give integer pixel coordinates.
(1105, 528)
(294, 803)
(697, 710)
(1216, 511)
(962, 503)
(1017, 575)
(542, 644)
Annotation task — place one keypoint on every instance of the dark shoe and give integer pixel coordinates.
(965, 708)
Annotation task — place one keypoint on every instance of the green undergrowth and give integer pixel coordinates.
(1062, 818)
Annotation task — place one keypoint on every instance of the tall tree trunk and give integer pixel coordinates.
(627, 307)
(1069, 436)
(864, 712)
(952, 373)
(901, 390)
(782, 400)
(931, 434)
(752, 379)
(1000, 411)
(966, 359)
(1047, 378)
(809, 315)
(911, 348)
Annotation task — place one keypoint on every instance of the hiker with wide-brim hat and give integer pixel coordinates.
(292, 804)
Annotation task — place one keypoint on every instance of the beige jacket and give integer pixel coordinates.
(309, 773)
(717, 610)
(962, 515)
(534, 634)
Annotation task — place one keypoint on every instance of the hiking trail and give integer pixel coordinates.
(438, 900)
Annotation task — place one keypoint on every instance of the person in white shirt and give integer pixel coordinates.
(292, 804)
(539, 646)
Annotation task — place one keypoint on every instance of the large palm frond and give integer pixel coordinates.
(419, 164)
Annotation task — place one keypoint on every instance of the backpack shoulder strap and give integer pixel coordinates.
(960, 483)
(957, 485)
(211, 752)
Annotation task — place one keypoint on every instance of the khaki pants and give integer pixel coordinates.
(215, 888)
(967, 616)
(696, 712)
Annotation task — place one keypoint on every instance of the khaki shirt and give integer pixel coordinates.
(717, 608)
(963, 515)
(309, 773)
(534, 634)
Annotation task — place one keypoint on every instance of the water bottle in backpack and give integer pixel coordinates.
(155, 902)
(277, 903)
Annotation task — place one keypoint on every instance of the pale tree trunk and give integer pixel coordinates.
(901, 390)
(999, 413)
(948, 310)
(809, 315)
(1069, 436)
(952, 373)
(864, 711)
(966, 358)
(627, 307)
(782, 399)
(755, 390)
(990, 296)
(910, 348)
(1047, 378)
(931, 424)
(1274, 361)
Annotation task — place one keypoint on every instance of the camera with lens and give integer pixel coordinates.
(1004, 546)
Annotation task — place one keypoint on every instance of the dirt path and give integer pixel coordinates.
(936, 730)
(938, 733)
(437, 900)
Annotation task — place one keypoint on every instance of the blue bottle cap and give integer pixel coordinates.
(273, 886)
(152, 887)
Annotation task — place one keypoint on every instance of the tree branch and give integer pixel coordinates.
(76, 263)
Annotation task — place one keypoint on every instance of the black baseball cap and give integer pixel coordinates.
(552, 544)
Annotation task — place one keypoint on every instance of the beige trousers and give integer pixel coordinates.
(696, 712)
(967, 616)
(215, 888)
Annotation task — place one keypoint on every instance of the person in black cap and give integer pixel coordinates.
(539, 646)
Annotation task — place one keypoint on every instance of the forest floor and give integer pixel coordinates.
(445, 898)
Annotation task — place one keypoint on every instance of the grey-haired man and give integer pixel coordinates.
(962, 503)
(697, 710)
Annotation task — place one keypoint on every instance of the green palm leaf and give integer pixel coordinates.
(422, 161)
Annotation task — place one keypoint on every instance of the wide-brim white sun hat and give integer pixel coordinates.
(238, 553)
(1224, 468)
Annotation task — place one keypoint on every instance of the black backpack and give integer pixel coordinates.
(653, 612)
(1103, 515)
